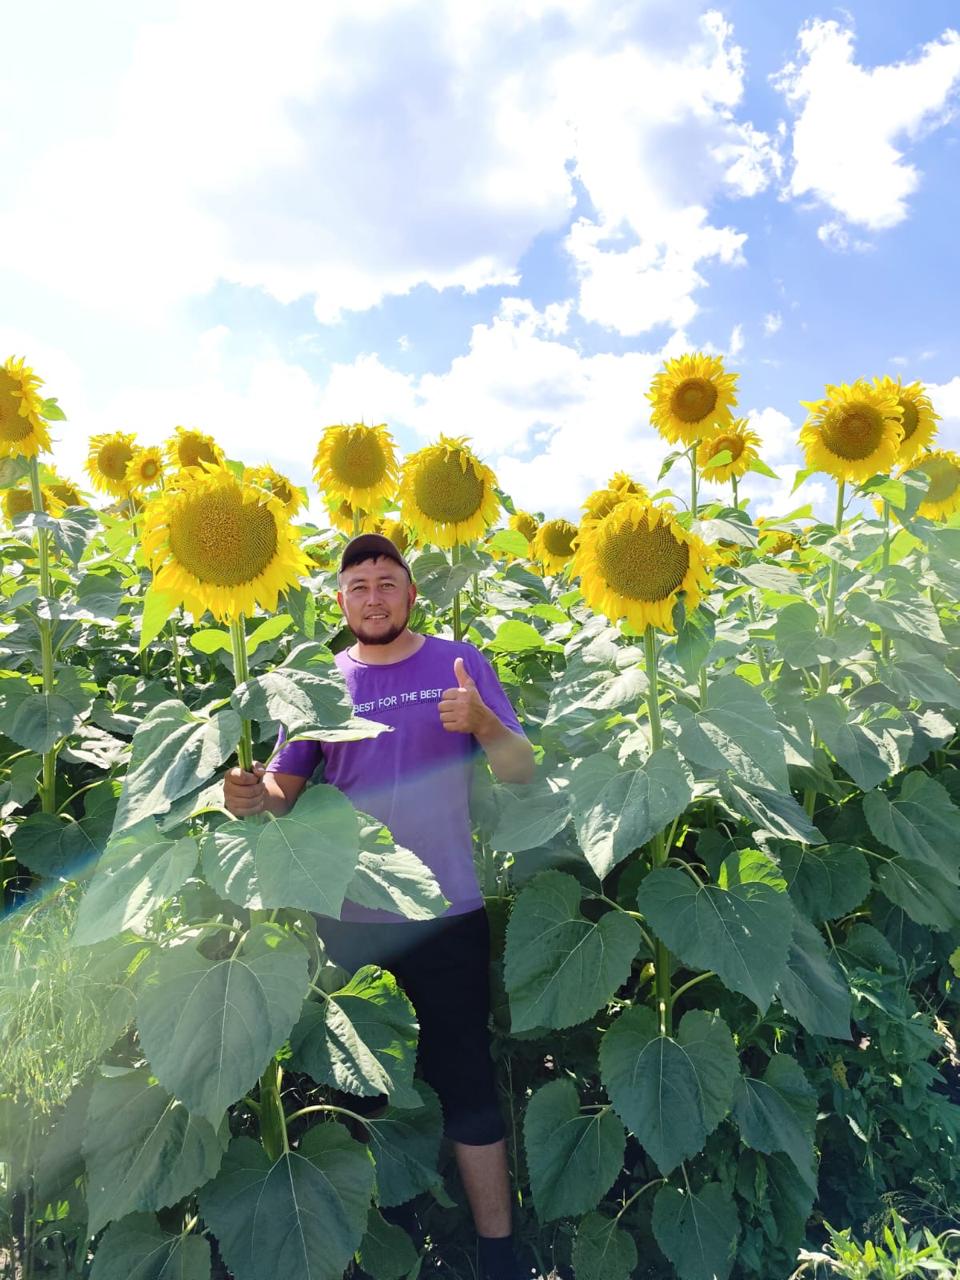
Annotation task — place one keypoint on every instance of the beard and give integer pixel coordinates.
(382, 637)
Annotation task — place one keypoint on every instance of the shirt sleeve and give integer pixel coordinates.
(300, 758)
(490, 689)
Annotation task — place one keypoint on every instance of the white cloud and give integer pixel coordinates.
(772, 323)
(852, 123)
(946, 401)
(735, 345)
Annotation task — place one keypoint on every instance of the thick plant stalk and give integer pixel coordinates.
(241, 673)
(658, 845)
(457, 619)
(693, 478)
(273, 1124)
(885, 639)
(48, 783)
(810, 795)
(736, 495)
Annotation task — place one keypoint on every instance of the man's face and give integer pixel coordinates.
(376, 597)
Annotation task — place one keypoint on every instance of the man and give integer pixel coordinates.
(443, 702)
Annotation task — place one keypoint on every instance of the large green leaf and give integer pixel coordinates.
(559, 966)
(922, 679)
(51, 845)
(143, 1148)
(300, 1217)
(305, 859)
(924, 893)
(405, 1144)
(736, 732)
(573, 1157)
(797, 634)
(813, 988)
(137, 873)
(209, 1027)
(825, 882)
(616, 810)
(386, 1251)
(697, 1231)
(913, 617)
(530, 816)
(361, 1039)
(138, 1249)
(740, 927)
(921, 823)
(298, 699)
(35, 719)
(391, 878)
(772, 812)
(778, 1113)
(602, 1250)
(173, 753)
(869, 753)
(671, 1093)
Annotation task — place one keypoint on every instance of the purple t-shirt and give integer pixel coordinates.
(415, 780)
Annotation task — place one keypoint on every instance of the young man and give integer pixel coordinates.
(444, 702)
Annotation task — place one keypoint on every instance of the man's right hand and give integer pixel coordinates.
(244, 793)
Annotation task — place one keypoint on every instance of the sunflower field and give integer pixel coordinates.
(725, 915)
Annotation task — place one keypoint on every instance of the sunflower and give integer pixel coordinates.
(919, 419)
(602, 501)
(396, 532)
(64, 492)
(217, 543)
(942, 498)
(853, 434)
(145, 469)
(341, 517)
(357, 463)
(739, 441)
(523, 522)
(692, 396)
(277, 484)
(774, 541)
(190, 448)
(554, 544)
(23, 432)
(634, 562)
(18, 501)
(107, 461)
(447, 495)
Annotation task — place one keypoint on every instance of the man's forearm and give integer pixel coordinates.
(510, 754)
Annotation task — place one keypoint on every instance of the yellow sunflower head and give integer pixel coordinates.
(341, 517)
(190, 448)
(277, 484)
(942, 468)
(107, 461)
(634, 563)
(145, 469)
(739, 442)
(447, 495)
(23, 432)
(64, 492)
(554, 544)
(692, 398)
(523, 522)
(853, 434)
(18, 501)
(217, 543)
(357, 463)
(774, 541)
(602, 501)
(395, 531)
(919, 419)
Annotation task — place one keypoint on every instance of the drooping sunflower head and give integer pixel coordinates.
(23, 432)
(217, 543)
(854, 433)
(554, 544)
(107, 461)
(357, 463)
(738, 443)
(396, 532)
(64, 492)
(188, 447)
(523, 522)
(775, 541)
(918, 417)
(447, 495)
(602, 501)
(342, 518)
(634, 563)
(277, 484)
(692, 398)
(18, 500)
(145, 469)
(942, 468)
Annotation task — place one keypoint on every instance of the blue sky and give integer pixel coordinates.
(494, 223)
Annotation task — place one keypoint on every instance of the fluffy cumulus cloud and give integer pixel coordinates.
(945, 399)
(853, 124)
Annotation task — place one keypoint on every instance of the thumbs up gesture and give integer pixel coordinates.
(462, 710)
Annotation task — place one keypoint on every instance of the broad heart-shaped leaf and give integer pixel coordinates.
(560, 967)
(825, 882)
(671, 1093)
(573, 1156)
(778, 1113)
(798, 635)
(529, 816)
(391, 878)
(736, 732)
(740, 927)
(697, 1231)
(361, 1039)
(298, 699)
(920, 678)
(813, 988)
(143, 1148)
(924, 893)
(209, 1027)
(138, 1249)
(54, 846)
(602, 1251)
(137, 873)
(914, 617)
(405, 1144)
(35, 719)
(921, 823)
(305, 859)
(774, 812)
(868, 753)
(616, 810)
(386, 1251)
(173, 753)
(301, 1217)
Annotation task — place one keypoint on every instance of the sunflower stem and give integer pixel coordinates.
(736, 495)
(693, 478)
(810, 794)
(457, 619)
(658, 846)
(241, 673)
(48, 783)
(884, 638)
(175, 649)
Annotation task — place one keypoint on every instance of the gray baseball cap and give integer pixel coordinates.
(368, 546)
